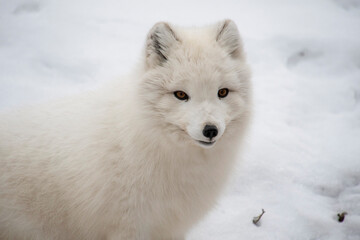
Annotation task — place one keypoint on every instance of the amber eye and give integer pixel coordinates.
(181, 95)
(223, 92)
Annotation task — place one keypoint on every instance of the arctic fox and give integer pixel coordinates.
(144, 158)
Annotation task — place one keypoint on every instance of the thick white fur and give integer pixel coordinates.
(123, 162)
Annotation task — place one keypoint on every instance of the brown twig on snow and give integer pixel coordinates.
(341, 216)
(257, 219)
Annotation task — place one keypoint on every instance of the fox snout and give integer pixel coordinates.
(210, 131)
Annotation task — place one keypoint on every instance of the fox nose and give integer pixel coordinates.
(210, 131)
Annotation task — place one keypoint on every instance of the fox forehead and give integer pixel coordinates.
(201, 63)
(208, 74)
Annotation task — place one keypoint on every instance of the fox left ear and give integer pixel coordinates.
(228, 37)
(159, 42)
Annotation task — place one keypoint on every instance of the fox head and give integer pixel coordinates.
(196, 82)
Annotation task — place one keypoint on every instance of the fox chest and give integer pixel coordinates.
(179, 197)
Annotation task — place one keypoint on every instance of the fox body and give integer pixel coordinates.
(140, 158)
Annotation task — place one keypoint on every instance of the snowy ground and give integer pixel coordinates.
(302, 163)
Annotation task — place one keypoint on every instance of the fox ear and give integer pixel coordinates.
(228, 37)
(159, 42)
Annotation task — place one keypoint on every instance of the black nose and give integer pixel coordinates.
(210, 131)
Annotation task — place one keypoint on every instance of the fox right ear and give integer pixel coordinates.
(228, 37)
(159, 42)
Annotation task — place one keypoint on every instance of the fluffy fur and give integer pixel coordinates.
(125, 161)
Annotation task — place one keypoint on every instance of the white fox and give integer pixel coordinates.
(141, 158)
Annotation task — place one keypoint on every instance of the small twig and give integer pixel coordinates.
(257, 219)
(341, 216)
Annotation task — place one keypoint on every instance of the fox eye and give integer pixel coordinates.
(181, 95)
(223, 92)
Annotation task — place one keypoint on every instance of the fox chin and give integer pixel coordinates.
(144, 157)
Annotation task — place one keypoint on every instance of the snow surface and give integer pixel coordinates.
(302, 160)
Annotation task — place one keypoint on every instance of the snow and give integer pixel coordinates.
(302, 159)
